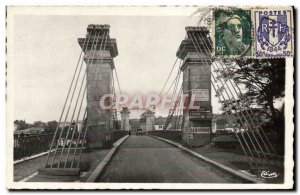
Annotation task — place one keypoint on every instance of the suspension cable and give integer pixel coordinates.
(168, 77)
(175, 79)
(250, 109)
(118, 81)
(221, 94)
(69, 107)
(106, 34)
(76, 123)
(249, 116)
(69, 128)
(239, 93)
(223, 87)
(178, 108)
(234, 99)
(57, 127)
(171, 111)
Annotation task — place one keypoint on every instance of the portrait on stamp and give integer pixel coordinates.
(232, 33)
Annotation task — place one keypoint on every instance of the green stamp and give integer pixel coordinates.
(233, 33)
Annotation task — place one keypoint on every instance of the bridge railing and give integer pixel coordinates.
(173, 135)
(28, 145)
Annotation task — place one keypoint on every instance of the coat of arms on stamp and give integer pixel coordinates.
(233, 33)
(273, 31)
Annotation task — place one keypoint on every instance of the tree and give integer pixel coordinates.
(17, 122)
(51, 126)
(39, 124)
(264, 80)
(22, 124)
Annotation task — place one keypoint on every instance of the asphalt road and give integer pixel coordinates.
(143, 159)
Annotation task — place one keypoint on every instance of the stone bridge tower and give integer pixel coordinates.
(197, 87)
(125, 119)
(99, 50)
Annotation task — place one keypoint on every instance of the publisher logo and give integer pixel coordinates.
(268, 174)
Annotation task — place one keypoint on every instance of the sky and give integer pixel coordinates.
(45, 53)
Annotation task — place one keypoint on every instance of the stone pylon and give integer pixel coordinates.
(197, 86)
(125, 119)
(99, 50)
(147, 120)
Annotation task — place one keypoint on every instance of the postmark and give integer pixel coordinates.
(232, 33)
(273, 33)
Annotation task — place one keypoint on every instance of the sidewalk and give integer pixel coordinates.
(29, 167)
(235, 160)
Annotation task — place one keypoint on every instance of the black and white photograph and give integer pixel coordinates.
(150, 97)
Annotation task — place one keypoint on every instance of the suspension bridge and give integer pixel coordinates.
(157, 156)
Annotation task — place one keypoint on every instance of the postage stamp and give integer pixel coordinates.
(233, 33)
(273, 33)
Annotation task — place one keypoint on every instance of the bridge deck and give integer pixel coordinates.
(143, 159)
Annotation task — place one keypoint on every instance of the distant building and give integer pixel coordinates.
(16, 127)
(175, 123)
(159, 123)
(62, 124)
(134, 125)
(79, 125)
(221, 122)
(32, 130)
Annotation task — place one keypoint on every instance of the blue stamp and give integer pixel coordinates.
(273, 33)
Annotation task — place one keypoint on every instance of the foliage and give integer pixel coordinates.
(264, 80)
(39, 124)
(22, 124)
(51, 126)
